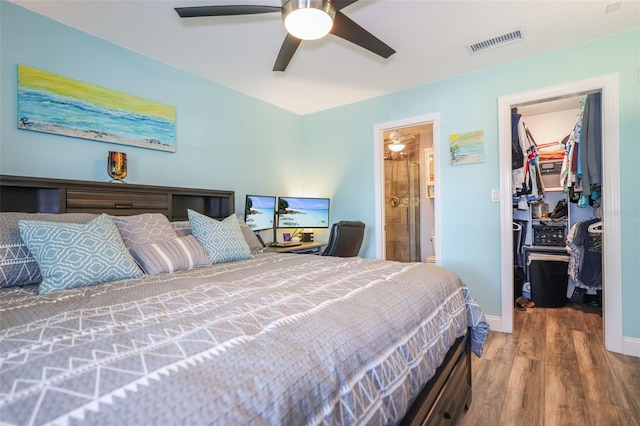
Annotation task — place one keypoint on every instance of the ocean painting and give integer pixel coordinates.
(51, 103)
(467, 147)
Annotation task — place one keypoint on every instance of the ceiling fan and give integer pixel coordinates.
(327, 13)
(397, 141)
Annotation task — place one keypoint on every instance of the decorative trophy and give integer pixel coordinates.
(117, 166)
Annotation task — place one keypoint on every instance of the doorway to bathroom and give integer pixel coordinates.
(406, 194)
(402, 195)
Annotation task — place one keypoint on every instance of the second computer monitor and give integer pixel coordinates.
(303, 212)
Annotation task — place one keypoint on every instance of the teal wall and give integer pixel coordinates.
(470, 222)
(227, 140)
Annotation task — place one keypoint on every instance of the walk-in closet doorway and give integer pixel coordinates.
(405, 194)
(612, 267)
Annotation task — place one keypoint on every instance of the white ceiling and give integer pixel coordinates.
(429, 36)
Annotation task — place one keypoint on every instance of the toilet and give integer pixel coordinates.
(432, 259)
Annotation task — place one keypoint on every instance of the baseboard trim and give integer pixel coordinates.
(631, 346)
(494, 322)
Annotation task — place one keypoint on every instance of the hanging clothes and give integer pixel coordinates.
(526, 181)
(575, 254)
(591, 143)
(581, 171)
(517, 155)
(569, 170)
(533, 179)
(584, 244)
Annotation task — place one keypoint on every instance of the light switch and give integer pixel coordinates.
(495, 195)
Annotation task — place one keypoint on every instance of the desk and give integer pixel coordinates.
(311, 247)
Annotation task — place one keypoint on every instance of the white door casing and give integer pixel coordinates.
(612, 253)
(378, 159)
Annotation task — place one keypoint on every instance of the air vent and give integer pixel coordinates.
(510, 37)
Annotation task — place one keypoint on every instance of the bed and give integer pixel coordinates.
(269, 339)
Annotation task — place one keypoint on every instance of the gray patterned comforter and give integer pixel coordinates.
(277, 340)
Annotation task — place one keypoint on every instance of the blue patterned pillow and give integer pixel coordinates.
(170, 256)
(74, 255)
(17, 265)
(222, 240)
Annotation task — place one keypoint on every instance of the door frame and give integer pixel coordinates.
(612, 255)
(378, 160)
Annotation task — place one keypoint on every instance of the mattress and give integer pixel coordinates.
(277, 339)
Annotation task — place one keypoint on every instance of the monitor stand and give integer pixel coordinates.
(259, 239)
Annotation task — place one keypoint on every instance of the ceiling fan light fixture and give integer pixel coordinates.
(396, 146)
(397, 143)
(308, 19)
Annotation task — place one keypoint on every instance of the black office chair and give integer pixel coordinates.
(345, 239)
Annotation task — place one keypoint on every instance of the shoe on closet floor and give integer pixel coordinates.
(522, 303)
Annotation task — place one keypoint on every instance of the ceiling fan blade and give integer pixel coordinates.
(341, 4)
(289, 47)
(196, 11)
(347, 29)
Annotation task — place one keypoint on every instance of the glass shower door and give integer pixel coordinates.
(402, 210)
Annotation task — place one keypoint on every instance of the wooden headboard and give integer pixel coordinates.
(44, 195)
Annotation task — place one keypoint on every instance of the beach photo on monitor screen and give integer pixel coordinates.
(296, 212)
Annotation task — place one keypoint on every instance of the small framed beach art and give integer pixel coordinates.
(467, 147)
(51, 103)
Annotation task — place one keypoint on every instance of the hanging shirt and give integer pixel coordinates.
(591, 267)
(591, 144)
(571, 163)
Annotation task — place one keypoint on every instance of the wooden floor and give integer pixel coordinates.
(554, 370)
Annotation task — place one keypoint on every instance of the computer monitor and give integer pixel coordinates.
(303, 212)
(259, 212)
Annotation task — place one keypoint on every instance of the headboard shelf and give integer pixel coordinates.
(46, 195)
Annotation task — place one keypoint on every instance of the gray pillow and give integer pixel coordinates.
(250, 237)
(182, 227)
(170, 256)
(145, 228)
(18, 267)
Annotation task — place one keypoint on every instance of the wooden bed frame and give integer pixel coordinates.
(442, 400)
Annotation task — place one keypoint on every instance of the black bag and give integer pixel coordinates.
(574, 196)
(560, 211)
